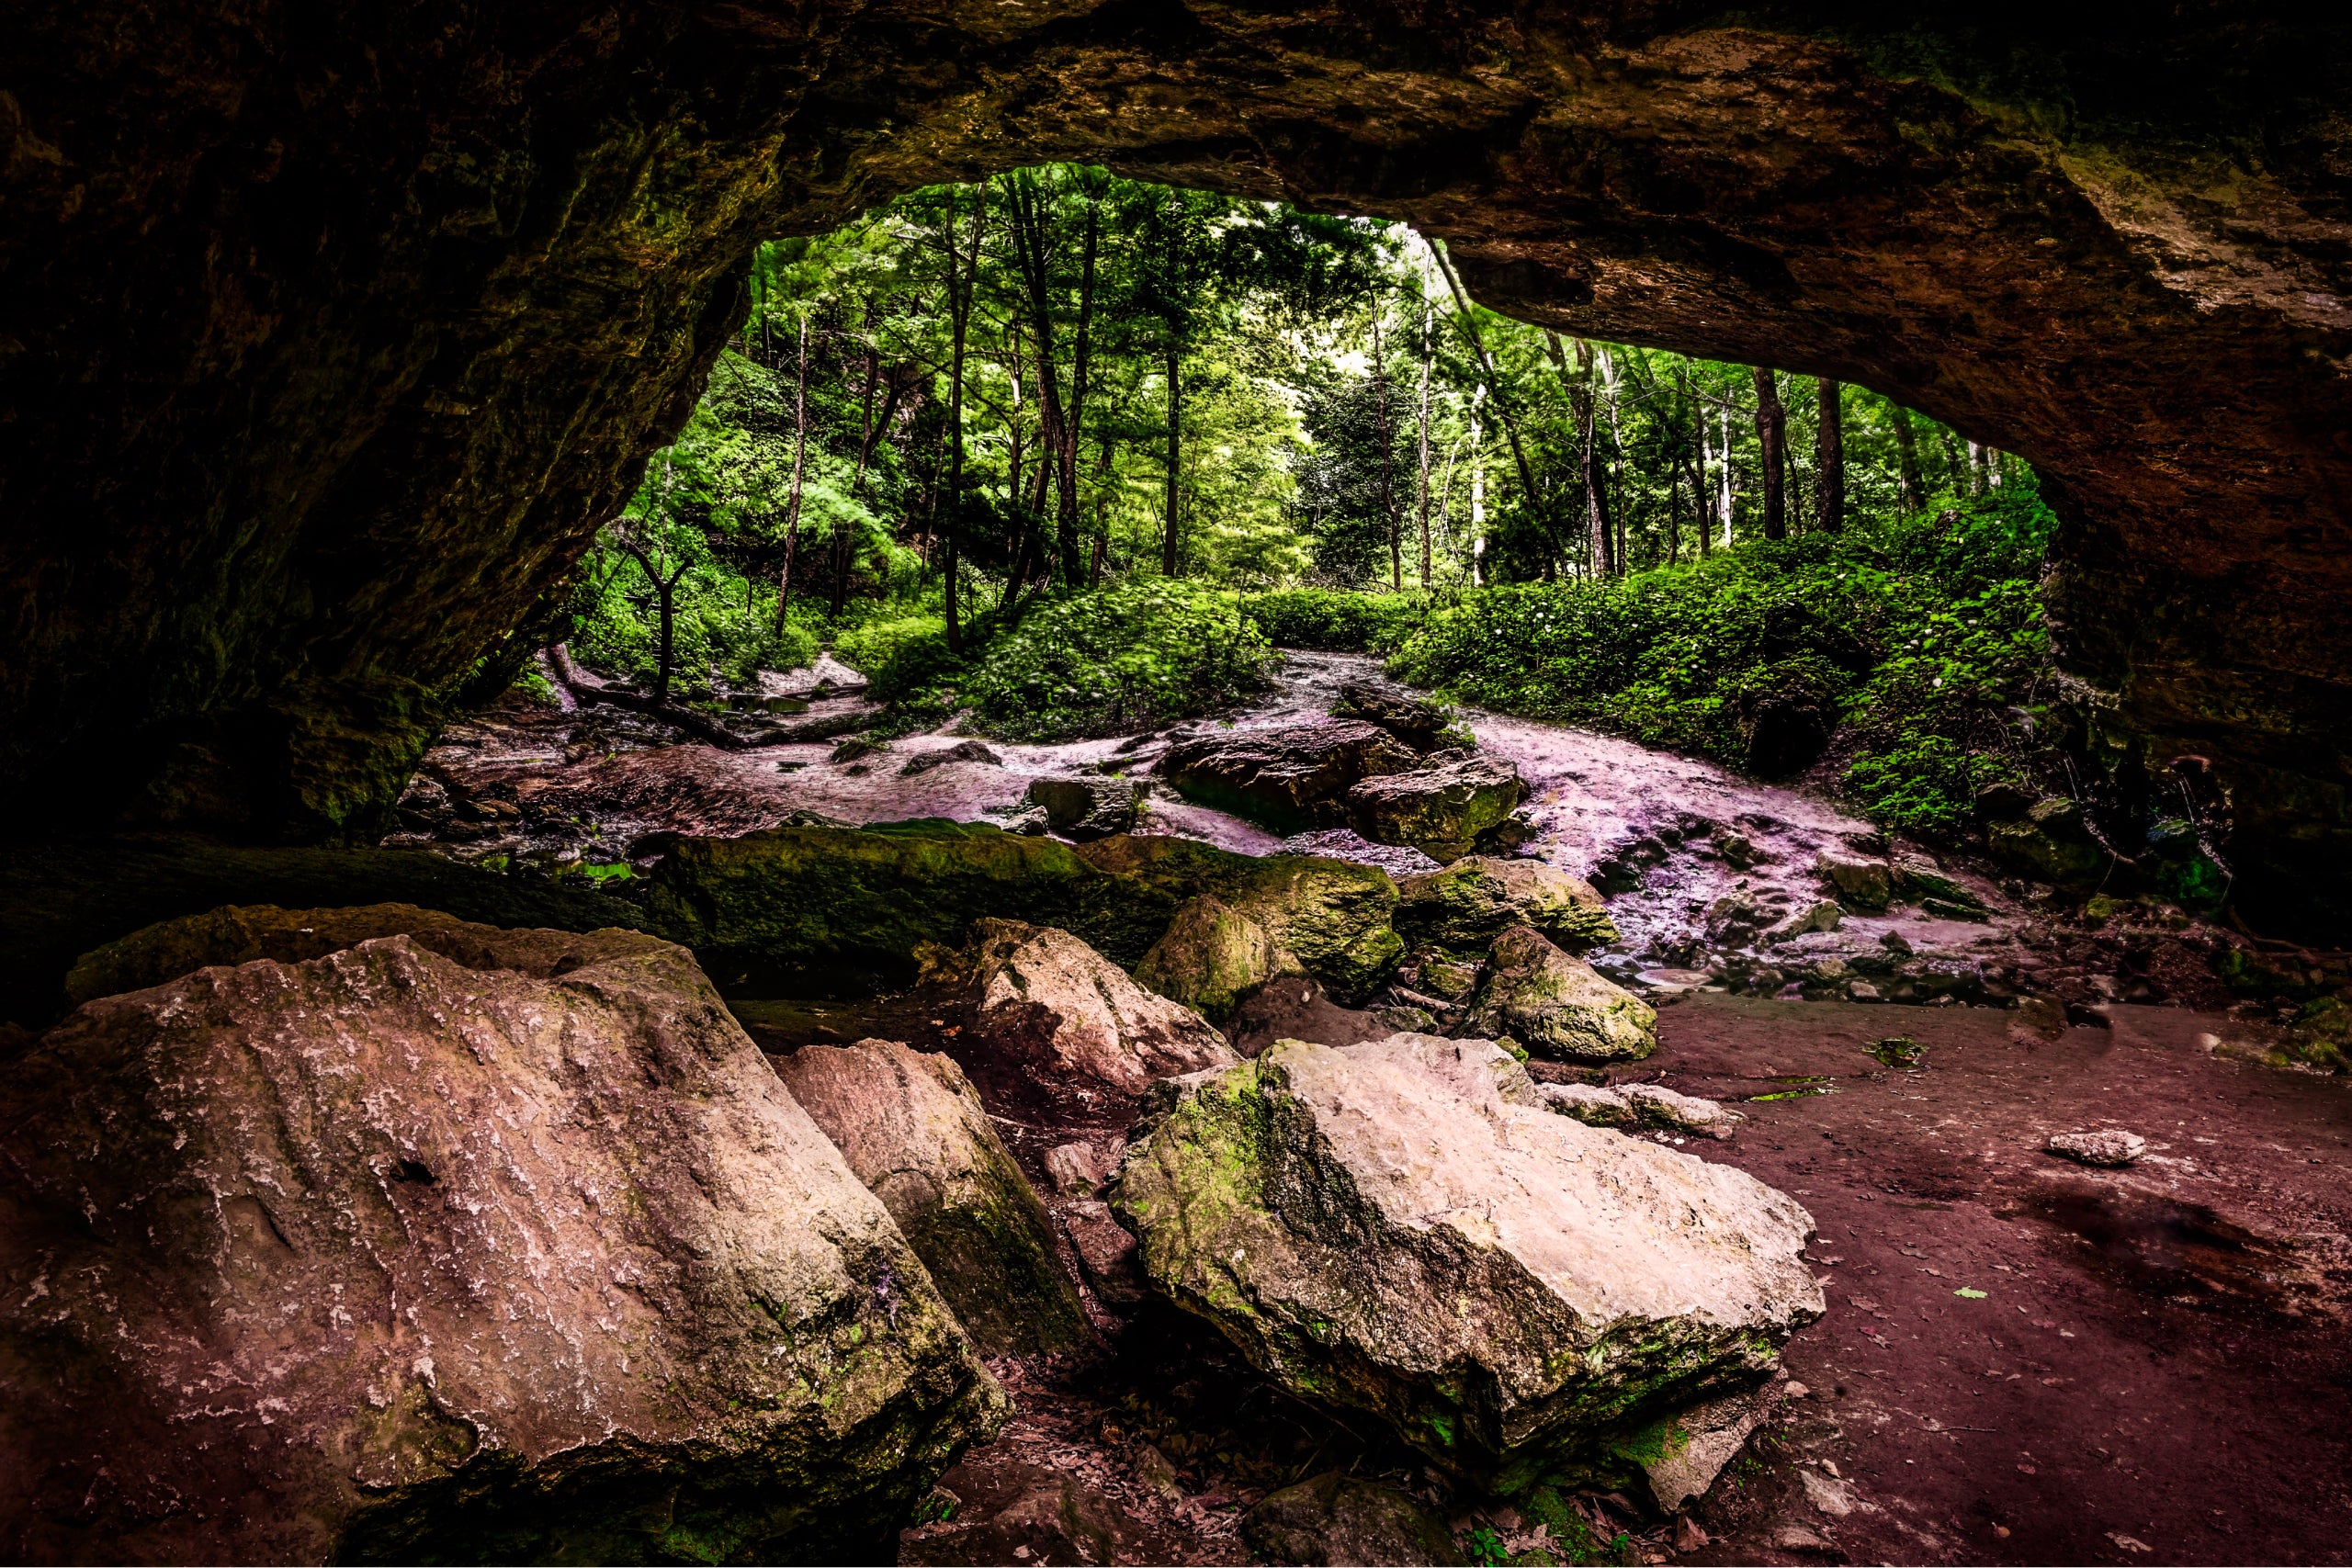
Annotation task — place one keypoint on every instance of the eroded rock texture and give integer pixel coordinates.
(328, 340)
(389, 1255)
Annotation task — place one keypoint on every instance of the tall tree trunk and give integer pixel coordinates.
(1830, 447)
(1906, 456)
(1175, 438)
(1080, 363)
(1771, 430)
(1387, 458)
(1424, 482)
(1728, 499)
(1981, 456)
(962, 280)
(1030, 220)
(1705, 495)
(799, 472)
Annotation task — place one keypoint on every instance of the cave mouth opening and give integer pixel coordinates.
(1122, 399)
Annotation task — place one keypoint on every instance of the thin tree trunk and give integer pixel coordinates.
(1387, 455)
(1705, 488)
(1907, 455)
(1175, 438)
(799, 472)
(1486, 363)
(1728, 499)
(1981, 458)
(1771, 430)
(960, 290)
(1082, 356)
(1829, 446)
(1424, 482)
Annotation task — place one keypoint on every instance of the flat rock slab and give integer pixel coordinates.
(388, 1254)
(1397, 1227)
(2107, 1147)
(1290, 778)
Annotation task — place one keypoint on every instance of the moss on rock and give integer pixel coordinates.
(1557, 1005)
(1212, 958)
(1470, 903)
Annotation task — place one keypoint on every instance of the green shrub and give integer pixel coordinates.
(1924, 636)
(720, 626)
(1334, 620)
(869, 646)
(1116, 659)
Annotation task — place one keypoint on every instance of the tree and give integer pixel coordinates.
(1907, 446)
(1771, 432)
(1829, 446)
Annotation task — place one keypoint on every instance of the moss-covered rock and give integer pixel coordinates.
(1340, 1520)
(1504, 1295)
(1212, 958)
(813, 903)
(1443, 810)
(1478, 897)
(1556, 1005)
(1329, 915)
(2052, 843)
(916, 1135)
(530, 1258)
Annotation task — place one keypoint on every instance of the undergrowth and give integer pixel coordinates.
(1926, 636)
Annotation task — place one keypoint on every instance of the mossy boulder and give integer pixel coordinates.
(815, 903)
(523, 1255)
(1398, 1227)
(1557, 1005)
(1470, 903)
(1212, 958)
(1331, 917)
(2052, 843)
(1340, 1520)
(914, 1132)
(1443, 810)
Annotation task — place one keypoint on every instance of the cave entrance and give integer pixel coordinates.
(1060, 386)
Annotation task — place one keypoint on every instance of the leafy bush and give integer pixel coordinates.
(1335, 620)
(869, 646)
(721, 625)
(1115, 659)
(1926, 636)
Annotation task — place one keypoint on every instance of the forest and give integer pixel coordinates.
(1076, 453)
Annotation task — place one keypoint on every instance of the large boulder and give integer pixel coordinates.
(1470, 903)
(1557, 1005)
(1046, 1014)
(1330, 919)
(1398, 1227)
(916, 1135)
(1084, 806)
(2052, 843)
(1212, 958)
(809, 903)
(1441, 811)
(384, 1254)
(1416, 721)
(1290, 778)
(239, 933)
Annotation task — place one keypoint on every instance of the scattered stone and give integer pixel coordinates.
(1084, 1169)
(1940, 909)
(1330, 919)
(1827, 1494)
(913, 1130)
(1861, 883)
(1799, 1537)
(1106, 1253)
(1340, 1520)
(1862, 991)
(2106, 1146)
(1557, 1005)
(1497, 1296)
(1824, 916)
(553, 1161)
(1402, 1020)
(1691, 1447)
(1086, 806)
(1896, 943)
(1737, 850)
(2053, 844)
(1418, 722)
(1035, 1515)
(856, 749)
(1046, 1002)
(1212, 959)
(1476, 899)
(1156, 1474)
(1442, 811)
(1688, 1535)
(1924, 879)
(1634, 1105)
(1734, 919)
(962, 752)
(1451, 979)
(1289, 779)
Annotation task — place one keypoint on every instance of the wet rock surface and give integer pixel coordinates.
(1368, 1222)
(573, 1277)
(1555, 1005)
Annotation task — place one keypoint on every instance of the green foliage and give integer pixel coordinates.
(869, 646)
(1335, 620)
(1924, 635)
(1118, 660)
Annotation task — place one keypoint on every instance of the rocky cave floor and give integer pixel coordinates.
(2025, 1360)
